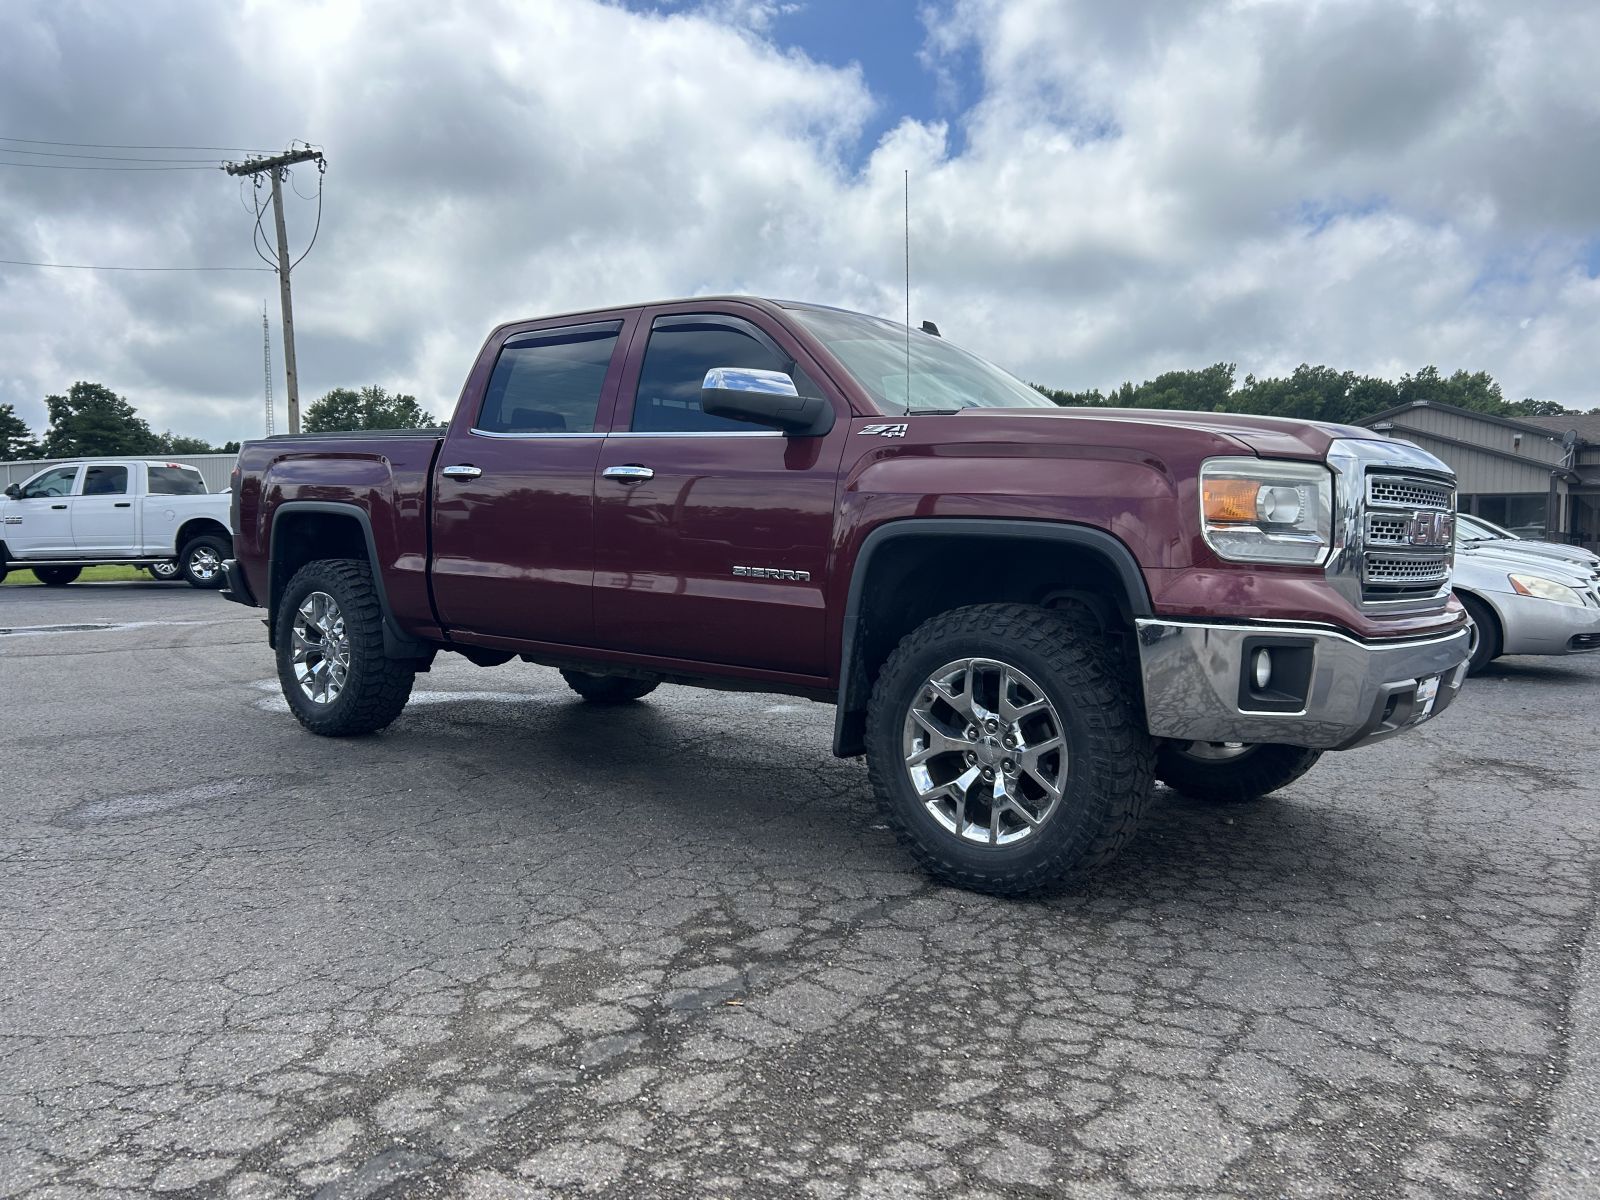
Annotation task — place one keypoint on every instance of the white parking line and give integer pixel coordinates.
(93, 627)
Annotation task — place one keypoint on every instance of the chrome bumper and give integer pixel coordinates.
(1351, 693)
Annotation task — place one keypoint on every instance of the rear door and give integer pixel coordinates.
(712, 535)
(513, 488)
(105, 520)
(38, 524)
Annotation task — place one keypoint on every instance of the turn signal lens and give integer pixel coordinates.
(1230, 501)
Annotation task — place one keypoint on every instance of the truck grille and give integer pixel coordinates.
(1400, 511)
(1389, 491)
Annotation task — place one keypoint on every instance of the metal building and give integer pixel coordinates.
(1537, 476)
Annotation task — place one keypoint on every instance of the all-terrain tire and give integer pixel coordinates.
(1486, 638)
(1109, 756)
(608, 689)
(376, 687)
(56, 576)
(200, 561)
(1250, 773)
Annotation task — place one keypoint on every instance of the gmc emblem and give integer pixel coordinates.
(1433, 529)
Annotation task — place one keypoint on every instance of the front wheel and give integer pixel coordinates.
(1230, 772)
(1006, 749)
(56, 576)
(201, 561)
(1484, 644)
(331, 664)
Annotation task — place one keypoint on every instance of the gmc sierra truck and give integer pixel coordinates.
(1023, 613)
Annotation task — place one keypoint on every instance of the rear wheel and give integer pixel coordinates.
(57, 576)
(1484, 646)
(1006, 748)
(164, 570)
(608, 689)
(331, 664)
(201, 560)
(1230, 772)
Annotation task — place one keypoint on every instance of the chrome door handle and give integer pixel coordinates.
(632, 473)
(461, 472)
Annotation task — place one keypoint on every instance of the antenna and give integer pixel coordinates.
(266, 363)
(908, 289)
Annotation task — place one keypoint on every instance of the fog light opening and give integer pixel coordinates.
(1261, 669)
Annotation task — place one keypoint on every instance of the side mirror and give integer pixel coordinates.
(14, 491)
(764, 398)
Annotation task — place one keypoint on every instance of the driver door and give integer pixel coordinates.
(38, 524)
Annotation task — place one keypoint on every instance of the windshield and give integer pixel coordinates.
(1477, 529)
(943, 377)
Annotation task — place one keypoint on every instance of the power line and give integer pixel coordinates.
(106, 157)
(17, 262)
(65, 167)
(122, 146)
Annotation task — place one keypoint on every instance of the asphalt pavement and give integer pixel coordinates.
(518, 946)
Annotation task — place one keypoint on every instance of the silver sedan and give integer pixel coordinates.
(1521, 603)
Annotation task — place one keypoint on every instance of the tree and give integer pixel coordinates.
(93, 420)
(16, 440)
(370, 408)
(173, 443)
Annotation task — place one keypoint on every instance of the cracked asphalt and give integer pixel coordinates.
(520, 947)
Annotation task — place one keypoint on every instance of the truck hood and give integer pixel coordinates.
(1268, 437)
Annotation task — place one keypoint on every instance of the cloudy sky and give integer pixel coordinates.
(1100, 191)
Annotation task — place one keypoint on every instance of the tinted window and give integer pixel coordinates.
(549, 382)
(173, 480)
(51, 483)
(675, 365)
(105, 481)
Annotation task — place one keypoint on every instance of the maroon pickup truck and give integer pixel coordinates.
(1023, 613)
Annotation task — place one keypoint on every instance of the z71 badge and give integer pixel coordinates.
(885, 430)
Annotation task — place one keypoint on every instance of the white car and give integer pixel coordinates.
(143, 513)
(1522, 603)
(1478, 532)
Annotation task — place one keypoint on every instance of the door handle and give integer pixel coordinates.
(632, 473)
(462, 472)
(58, 506)
(123, 504)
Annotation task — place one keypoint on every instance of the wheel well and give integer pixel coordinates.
(300, 538)
(200, 527)
(1494, 614)
(910, 579)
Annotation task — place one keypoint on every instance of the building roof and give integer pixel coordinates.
(1586, 424)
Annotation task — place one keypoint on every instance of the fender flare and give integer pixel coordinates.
(849, 724)
(396, 643)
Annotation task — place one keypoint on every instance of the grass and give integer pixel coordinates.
(20, 576)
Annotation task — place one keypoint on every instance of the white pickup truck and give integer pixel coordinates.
(130, 511)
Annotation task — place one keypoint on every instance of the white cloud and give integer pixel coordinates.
(1138, 186)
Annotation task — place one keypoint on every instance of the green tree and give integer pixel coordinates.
(1534, 408)
(174, 443)
(16, 439)
(93, 420)
(370, 408)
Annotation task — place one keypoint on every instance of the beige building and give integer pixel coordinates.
(1538, 476)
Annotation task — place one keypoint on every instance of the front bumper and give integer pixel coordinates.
(1349, 693)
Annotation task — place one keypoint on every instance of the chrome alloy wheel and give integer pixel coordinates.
(1213, 751)
(165, 569)
(986, 751)
(204, 564)
(321, 648)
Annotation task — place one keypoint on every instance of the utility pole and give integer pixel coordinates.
(276, 165)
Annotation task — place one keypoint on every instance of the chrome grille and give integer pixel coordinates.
(1393, 567)
(1392, 491)
(1386, 531)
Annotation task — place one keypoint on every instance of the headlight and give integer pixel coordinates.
(1544, 589)
(1263, 510)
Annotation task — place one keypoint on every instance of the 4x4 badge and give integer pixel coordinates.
(886, 430)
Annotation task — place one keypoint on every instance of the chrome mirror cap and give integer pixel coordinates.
(749, 379)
